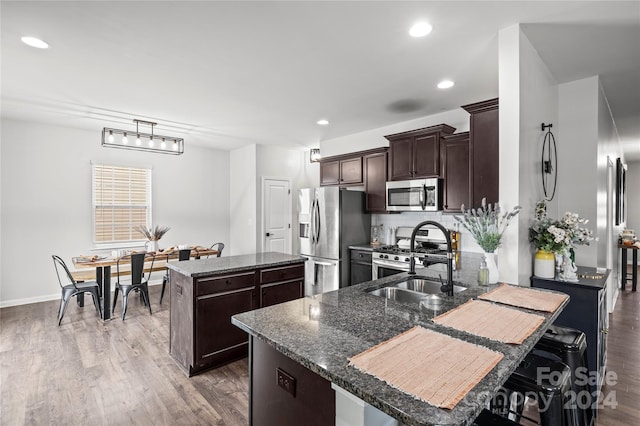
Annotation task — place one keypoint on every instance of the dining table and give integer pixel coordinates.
(154, 261)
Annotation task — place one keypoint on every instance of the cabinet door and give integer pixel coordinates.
(426, 156)
(455, 171)
(603, 330)
(375, 182)
(272, 294)
(330, 173)
(484, 152)
(401, 159)
(351, 171)
(217, 339)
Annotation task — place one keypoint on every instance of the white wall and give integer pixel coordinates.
(633, 196)
(242, 200)
(374, 138)
(46, 200)
(292, 164)
(577, 157)
(528, 97)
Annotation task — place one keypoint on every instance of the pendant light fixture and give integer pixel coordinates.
(116, 138)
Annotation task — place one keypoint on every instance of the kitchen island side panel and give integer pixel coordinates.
(181, 331)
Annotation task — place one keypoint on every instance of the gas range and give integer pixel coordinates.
(390, 259)
(394, 253)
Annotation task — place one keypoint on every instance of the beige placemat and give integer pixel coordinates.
(430, 366)
(525, 298)
(492, 321)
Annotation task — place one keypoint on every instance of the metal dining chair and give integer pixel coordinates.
(183, 254)
(73, 288)
(219, 247)
(138, 282)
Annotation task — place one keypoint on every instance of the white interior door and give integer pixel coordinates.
(276, 216)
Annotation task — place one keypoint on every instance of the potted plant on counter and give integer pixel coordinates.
(153, 235)
(557, 238)
(487, 225)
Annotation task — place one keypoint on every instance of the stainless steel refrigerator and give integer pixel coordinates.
(330, 221)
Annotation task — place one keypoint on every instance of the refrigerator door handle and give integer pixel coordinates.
(312, 221)
(317, 220)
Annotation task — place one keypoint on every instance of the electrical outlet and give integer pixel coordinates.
(286, 381)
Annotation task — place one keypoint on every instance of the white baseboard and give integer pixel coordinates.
(46, 298)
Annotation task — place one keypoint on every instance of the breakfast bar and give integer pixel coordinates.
(311, 342)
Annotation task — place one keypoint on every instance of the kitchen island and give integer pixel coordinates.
(205, 293)
(322, 332)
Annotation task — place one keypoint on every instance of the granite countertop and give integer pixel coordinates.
(321, 332)
(364, 246)
(225, 264)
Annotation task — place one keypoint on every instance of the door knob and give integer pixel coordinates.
(268, 234)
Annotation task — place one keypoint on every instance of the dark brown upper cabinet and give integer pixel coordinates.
(375, 181)
(416, 153)
(484, 145)
(341, 170)
(456, 165)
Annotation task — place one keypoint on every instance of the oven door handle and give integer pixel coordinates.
(391, 265)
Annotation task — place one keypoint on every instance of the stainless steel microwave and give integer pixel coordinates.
(414, 195)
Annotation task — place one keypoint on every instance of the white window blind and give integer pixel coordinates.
(121, 202)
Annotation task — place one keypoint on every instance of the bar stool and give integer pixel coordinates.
(570, 347)
(487, 418)
(549, 389)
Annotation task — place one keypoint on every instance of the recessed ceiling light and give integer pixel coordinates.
(420, 29)
(322, 122)
(35, 42)
(445, 84)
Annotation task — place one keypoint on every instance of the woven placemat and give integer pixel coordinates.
(420, 362)
(492, 321)
(529, 298)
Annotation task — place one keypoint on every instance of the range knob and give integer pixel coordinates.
(396, 258)
(385, 256)
(406, 259)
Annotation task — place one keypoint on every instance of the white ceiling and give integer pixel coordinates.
(227, 74)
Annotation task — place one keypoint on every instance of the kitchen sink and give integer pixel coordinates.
(422, 285)
(399, 295)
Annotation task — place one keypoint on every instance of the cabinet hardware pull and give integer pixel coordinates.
(605, 330)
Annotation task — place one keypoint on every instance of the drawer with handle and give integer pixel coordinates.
(222, 283)
(282, 273)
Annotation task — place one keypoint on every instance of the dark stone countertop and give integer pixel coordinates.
(588, 278)
(321, 332)
(226, 264)
(363, 246)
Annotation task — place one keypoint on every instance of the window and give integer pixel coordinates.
(121, 203)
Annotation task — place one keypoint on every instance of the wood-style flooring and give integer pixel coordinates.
(120, 373)
(87, 372)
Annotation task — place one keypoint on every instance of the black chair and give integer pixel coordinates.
(215, 246)
(570, 347)
(73, 288)
(220, 247)
(184, 254)
(551, 390)
(138, 280)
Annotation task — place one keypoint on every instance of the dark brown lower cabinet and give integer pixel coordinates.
(217, 340)
(283, 392)
(201, 334)
(280, 292)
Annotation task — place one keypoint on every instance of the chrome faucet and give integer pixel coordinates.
(445, 288)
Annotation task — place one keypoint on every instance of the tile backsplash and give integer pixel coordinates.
(413, 218)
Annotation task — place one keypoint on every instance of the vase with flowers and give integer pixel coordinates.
(487, 225)
(558, 237)
(153, 235)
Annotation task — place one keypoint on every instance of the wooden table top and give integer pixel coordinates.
(98, 261)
